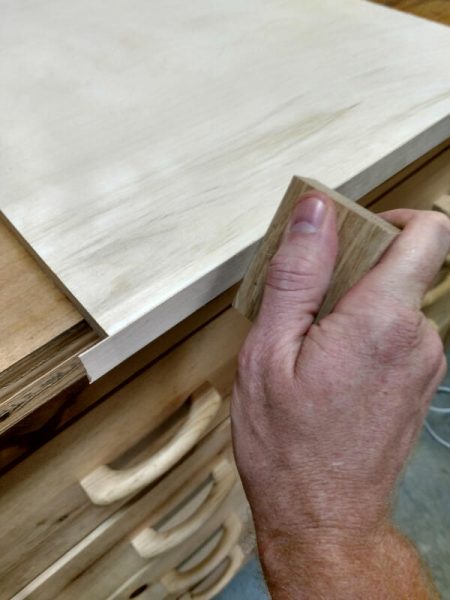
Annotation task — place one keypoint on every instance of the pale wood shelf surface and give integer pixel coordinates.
(160, 139)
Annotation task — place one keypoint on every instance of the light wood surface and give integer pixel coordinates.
(21, 324)
(139, 195)
(41, 501)
(363, 237)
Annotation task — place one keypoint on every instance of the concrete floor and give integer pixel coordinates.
(422, 511)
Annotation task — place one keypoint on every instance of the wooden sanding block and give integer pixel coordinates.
(363, 238)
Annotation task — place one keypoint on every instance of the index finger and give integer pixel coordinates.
(410, 265)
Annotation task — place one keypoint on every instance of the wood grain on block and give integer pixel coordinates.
(363, 237)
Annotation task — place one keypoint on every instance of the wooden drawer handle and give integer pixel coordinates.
(176, 581)
(236, 558)
(105, 485)
(149, 542)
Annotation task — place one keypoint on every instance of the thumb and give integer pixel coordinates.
(299, 274)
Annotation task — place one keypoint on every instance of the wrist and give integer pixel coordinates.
(319, 547)
(335, 564)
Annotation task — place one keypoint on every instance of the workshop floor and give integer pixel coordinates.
(422, 512)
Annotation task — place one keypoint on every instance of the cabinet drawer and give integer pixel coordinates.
(208, 587)
(206, 465)
(194, 563)
(44, 508)
(220, 577)
(114, 570)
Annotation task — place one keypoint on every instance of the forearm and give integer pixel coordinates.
(386, 567)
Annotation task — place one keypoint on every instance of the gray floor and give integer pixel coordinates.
(422, 511)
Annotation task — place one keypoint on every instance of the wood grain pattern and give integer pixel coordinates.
(113, 571)
(129, 232)
(191, 565)
(33, 311)
(52, 371)
(436, 10)
(105, 485)
(38, 386)
(25, 321)
(149, 542)
(41, 501)
(363, 237)
(110, 544)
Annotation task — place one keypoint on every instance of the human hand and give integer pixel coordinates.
(325, 415)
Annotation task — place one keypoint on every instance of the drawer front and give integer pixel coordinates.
(47, 503)
(197, 560)
(214, 583)
(123, 567)
(115, 535)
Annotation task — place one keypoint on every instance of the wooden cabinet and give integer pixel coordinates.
(175, 517)
(133, 438)
(220, 552)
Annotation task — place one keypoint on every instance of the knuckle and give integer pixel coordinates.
(286, 273)
(263, 360)
(438, 220)
(250, 357)
(398, 332)
(246, 359)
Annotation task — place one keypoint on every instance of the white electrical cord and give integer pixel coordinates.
(443, 411)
